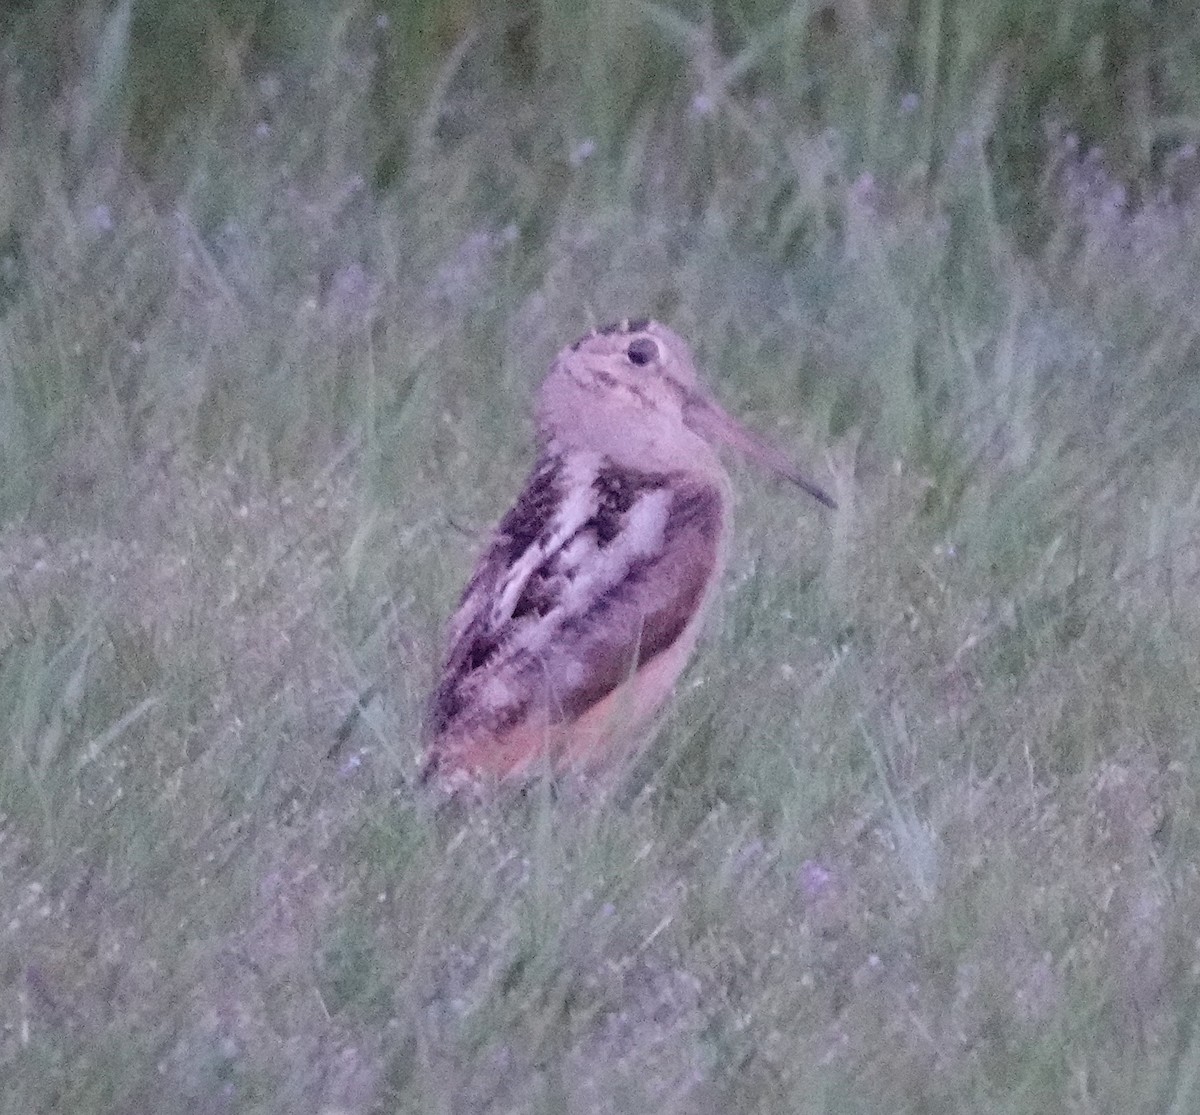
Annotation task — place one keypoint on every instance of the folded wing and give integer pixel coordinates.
(594, 572)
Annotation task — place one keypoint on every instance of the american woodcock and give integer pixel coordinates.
(586, 606)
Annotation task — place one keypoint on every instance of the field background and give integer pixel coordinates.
(920, 833)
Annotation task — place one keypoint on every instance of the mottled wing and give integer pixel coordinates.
(513, 582)
(646, 611)
(593, 572)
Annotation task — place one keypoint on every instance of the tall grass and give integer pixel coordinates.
(919, 830)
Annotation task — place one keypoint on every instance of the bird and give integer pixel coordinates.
(586, 605)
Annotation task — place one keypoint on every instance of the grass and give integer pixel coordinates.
(919, 832)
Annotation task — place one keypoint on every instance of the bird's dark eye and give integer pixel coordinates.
(642, 351)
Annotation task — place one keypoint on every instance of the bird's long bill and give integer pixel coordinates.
(710, 419)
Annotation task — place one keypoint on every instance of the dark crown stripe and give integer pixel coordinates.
(625, 325)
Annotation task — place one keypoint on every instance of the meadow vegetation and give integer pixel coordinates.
(920, 833)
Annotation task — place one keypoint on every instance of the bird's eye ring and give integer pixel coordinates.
(642, 351)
